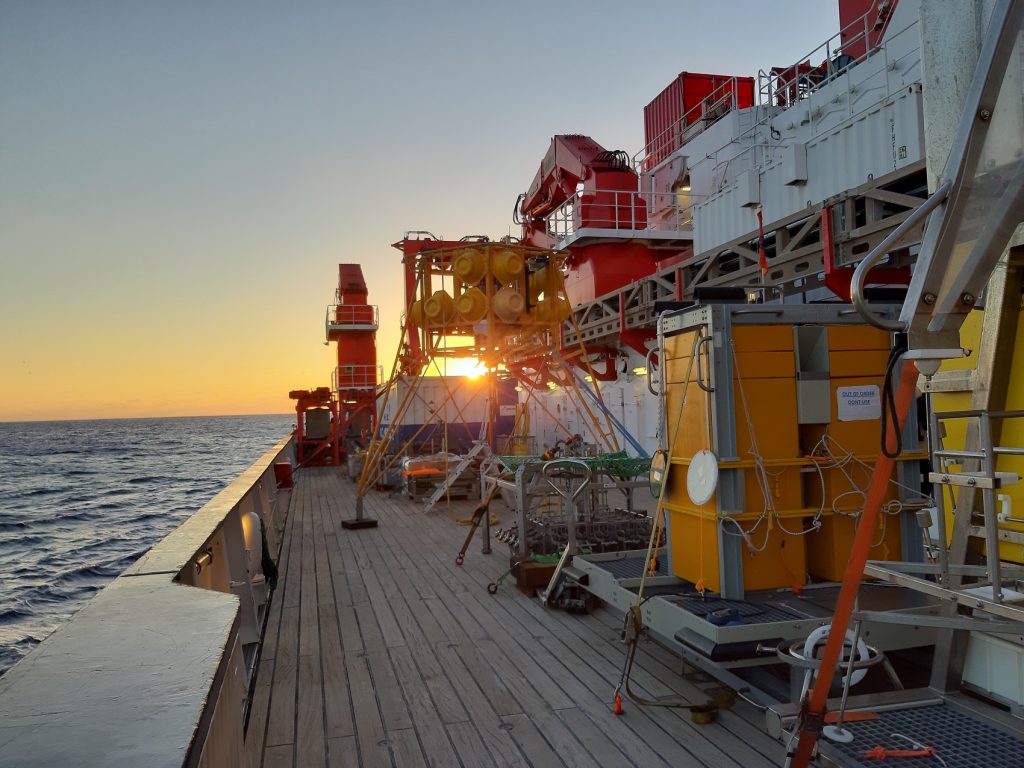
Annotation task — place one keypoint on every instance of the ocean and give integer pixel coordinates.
(80, 501)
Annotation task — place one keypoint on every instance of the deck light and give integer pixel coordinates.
(204, 560)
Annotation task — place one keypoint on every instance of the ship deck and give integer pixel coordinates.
(380, 651)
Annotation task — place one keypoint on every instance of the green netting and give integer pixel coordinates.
(618, 463)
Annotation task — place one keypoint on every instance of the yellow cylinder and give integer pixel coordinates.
(470, 266)
(416, 312)
(544, 281)
(506, 266)
(471, 305)
(439, 308)
(541, 312)
(508, 305)
(538, 281)
(560, 308)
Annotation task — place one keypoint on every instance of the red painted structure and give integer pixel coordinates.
(852, 35)
(603, 189)
(314, 445)
(689, 99)
(352, 325)
(839, 279)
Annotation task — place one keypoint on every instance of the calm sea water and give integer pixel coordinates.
(80, 501)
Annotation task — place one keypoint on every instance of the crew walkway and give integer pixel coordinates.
(380, 651)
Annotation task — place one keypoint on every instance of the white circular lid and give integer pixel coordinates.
(702, 477)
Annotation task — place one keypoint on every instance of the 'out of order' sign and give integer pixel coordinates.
(859, 403)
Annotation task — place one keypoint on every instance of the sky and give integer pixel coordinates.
(179, 180)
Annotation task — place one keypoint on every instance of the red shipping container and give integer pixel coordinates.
(679, 106)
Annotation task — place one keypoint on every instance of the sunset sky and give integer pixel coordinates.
(179, 180)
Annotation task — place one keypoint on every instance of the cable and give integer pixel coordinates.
(899, 348)
(761, 473)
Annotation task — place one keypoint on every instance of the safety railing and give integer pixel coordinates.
(782, 87)
(856, 42)
(716, 105)
(771, 90)
(618, 209)
(340, 316)
(356, 377)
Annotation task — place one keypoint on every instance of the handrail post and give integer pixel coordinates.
(880, 250)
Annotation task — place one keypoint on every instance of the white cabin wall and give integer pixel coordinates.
(862, 125)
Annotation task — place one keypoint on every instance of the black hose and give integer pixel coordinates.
(899, 348)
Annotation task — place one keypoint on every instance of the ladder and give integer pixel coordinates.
(977, 473)
(479, 446)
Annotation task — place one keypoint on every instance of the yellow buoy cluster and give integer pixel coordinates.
(494, 280)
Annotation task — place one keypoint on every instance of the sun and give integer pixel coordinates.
(469, 367)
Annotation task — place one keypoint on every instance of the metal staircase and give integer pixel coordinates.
(479, 446)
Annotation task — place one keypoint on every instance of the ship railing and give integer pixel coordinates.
(779, 88)
(360, 316)
(716, 105)
(853, 44)
(622, 210)
(163, 658)
(356, 377)
(761, 151)
(784, 86)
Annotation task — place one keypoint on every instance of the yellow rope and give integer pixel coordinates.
(660, 510)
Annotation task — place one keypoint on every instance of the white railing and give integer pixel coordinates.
(353, 315)
(356, 377)
(712, 107)
(786, 86)
(855, 102)
(617, 209)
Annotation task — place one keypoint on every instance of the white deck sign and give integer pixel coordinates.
(859, 403)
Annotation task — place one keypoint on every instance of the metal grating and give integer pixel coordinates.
(956, 737)
(752, 613)
(632, 567)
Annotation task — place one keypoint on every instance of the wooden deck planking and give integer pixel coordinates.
(709, 754)
(701, 750)
(705, 753)
(385, 653)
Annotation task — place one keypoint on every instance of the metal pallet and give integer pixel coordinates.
(959, 738)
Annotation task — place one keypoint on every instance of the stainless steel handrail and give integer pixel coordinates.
(650, 371)
(709, 387)
(883, 248)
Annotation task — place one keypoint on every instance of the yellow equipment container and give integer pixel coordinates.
(555, 309)
(856, 360)
(765, 386)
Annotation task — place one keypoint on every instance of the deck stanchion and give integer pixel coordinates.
(357, 522)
